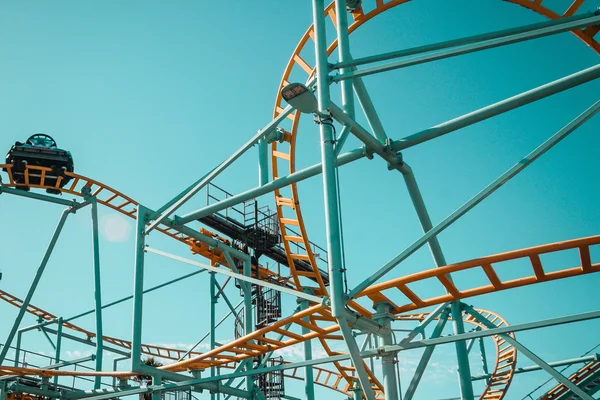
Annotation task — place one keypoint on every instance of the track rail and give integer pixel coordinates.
(491, 266)
(560, 391)
(125, 205)
(506, 354)
(283, 154)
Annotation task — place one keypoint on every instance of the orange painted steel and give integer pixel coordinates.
(506, 354)
(283, 155)
(577, 378)
(490, 266)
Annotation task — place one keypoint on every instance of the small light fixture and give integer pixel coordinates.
(300, 97)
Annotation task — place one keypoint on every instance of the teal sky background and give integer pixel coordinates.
(150, 95)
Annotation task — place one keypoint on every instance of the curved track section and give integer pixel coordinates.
(587, 378)
(283, 154)
(123, 204)
(506, 354)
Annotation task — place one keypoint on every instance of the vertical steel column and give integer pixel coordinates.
(58, 345)
(248, 324)
(484, 363)
(157, 380)
(332, 221)
(34, 284)
(388, 361)
(263, 162)
(344, 55)
(464, 370)
(309, 385)
(18, 348)
(97, 292)
(213, 302)
(138, 288)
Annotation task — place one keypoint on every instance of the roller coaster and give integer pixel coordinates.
(233, 235)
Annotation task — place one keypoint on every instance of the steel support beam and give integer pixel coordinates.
(462, 356)
(58, 345)
(388, 361)
(244, 278)
(34, 283)
(379, 351)
(484, 363)
(97, 291)
(279, 183)
(332, 213)
(138, 288)
(114, 303)
(263, 162)
(87, 342)
(529, 354)
(248, 317)
(309, 384)
(479, 197)
(208, 333)
(420, 370)
(501, 38)
(213, 304)
(184, 197)
(38, 196)
(500, 107)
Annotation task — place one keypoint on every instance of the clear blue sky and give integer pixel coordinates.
(149, 95)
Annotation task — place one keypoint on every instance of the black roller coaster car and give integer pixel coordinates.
(39, 150)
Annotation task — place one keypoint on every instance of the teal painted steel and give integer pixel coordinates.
(248, 320)
(184, 197)
(213, 303)
(243, 278)
(344, 54)
(419, 203)
(263, 162)
(309, 384)
(529, 354)
(484, 363)
(420, 370)
(279, 183)
(459, 42)
(49, 340)
(38, 196)
(332, 220)
(86, 342)
(501, 40)
(114, 303)
(479, 197)
(462, 356)
(208, 333)
(369, 109)
(138, 288)
(97, 292)
(519, 100)
(389, 360)
(33, 286)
